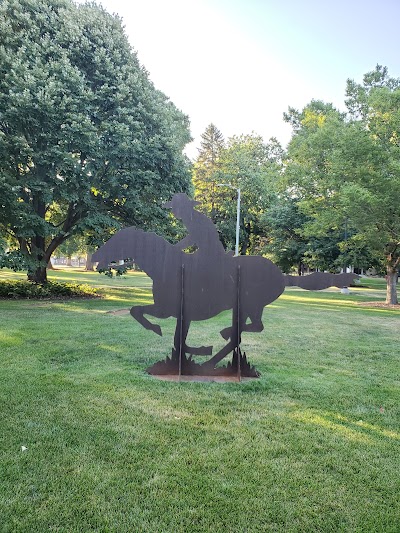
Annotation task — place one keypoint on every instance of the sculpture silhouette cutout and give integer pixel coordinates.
(197, 286)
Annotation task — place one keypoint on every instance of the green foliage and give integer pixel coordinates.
(52, 289)
(205, 170)
(75, 245)
(116, 270)
(244, 162)
(344, 170)
(13, 259)
(283, 227)
(371, 162)
(86, 141)
(249, 163)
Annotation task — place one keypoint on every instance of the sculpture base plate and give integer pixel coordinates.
(190, 369)
(215, 379)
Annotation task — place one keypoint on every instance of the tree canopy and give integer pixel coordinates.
(205, 175)
(245, 162)
(345, 169)
(86, 141)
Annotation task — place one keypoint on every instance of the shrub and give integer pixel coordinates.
(51, 289)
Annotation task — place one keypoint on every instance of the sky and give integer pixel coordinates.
(240, 64)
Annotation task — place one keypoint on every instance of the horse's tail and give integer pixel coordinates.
(320, 280)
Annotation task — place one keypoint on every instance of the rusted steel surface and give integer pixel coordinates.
(197, 286)
(320, 280)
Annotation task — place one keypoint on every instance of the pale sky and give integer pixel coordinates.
(241, 63)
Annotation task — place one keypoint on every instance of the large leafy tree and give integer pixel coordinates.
(284, 239)
(346, 169)
(311, 191)
(292, 243)
(315, 190)
(371, 167)
(86, 141)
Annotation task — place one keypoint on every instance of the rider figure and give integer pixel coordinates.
(201, 230)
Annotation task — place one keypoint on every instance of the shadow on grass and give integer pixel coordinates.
(343, 426)
(334, 303)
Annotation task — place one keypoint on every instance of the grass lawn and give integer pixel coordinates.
(313, 445)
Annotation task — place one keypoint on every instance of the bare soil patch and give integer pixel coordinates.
(119, 312)
(379, 305)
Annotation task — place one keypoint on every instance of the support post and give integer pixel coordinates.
(181, 318)
(237, 223)
(238, 332)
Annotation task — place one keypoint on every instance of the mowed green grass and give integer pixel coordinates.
(313, 445)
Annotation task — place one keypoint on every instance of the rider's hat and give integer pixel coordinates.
(180, 198)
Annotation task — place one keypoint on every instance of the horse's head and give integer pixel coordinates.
(103, 257)
(144, 248)
(120, 246)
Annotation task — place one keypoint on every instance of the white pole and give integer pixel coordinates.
(237, 223)
(237, 213)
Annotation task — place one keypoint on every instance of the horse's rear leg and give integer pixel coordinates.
(220, 355)
(138, 312)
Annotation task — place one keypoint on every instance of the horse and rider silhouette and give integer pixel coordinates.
(197, 286)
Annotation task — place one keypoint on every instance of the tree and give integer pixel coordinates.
(293, 244)
(86, 141)
(306, 184)
(346, 169)
(244, 162)
(283, 226)
(252, 165)
(371, 166)
(204, 176)
(74, 246)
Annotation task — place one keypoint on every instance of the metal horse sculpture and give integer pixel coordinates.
(197, 286)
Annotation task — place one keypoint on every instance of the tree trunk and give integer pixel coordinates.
(300, 269)
(69, 261)
(39, 275)
(50, 265)
(246, 239)
(391, 287)
(89, 263)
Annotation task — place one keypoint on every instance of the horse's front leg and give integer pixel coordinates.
(226, 333)
(181, 332)
(255, 325)
(200, 350)
(138, 312)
